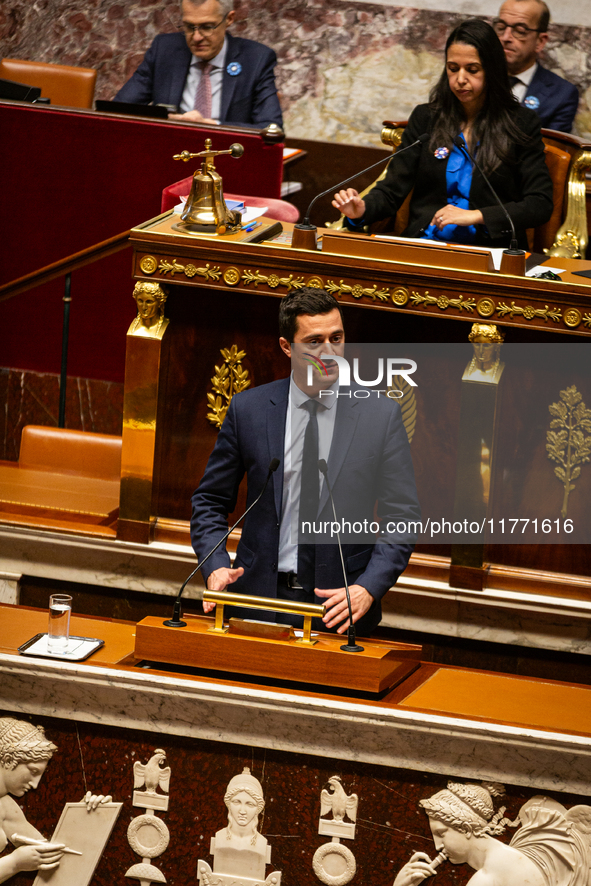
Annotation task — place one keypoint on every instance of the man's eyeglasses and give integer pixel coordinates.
(205, 30)
(519, 30)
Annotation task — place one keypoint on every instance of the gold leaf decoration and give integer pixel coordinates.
(407, 403)
(228, 379)
(568, 446)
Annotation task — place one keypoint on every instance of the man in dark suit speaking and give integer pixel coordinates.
(365, 444)
(522, 27)
(206, 73)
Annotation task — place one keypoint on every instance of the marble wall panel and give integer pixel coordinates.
(30, 398)
(390, 826)
(343, 67)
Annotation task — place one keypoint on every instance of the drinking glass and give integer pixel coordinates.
(58, 634)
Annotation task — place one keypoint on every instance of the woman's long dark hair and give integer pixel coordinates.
(495, 126)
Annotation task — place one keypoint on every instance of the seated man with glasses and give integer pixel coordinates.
(522, 28)
(207, 74)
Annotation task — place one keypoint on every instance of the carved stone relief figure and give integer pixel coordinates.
(552, 847)
(240, 853)
(24, 755)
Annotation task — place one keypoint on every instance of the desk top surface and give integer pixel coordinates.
(469, 694)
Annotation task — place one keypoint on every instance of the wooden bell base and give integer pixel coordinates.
(381, 666)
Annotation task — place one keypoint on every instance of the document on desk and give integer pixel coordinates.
(496, 253)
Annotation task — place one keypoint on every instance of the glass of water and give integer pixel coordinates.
(58, 634)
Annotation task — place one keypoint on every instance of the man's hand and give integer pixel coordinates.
(219, 581)
(349, 203)
(453, 215)
(193, 117)
(337, 609)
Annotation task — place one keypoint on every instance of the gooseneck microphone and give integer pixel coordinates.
(514, 247)
(305, 224)
(351, 644)
(175, 621)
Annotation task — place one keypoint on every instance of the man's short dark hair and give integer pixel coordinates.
(544, 19)
(303, 301)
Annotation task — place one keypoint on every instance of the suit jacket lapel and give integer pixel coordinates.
(276, 415)
(228, 81)
(539, 86)
(344, 429)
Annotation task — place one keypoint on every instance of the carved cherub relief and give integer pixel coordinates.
(551, 848)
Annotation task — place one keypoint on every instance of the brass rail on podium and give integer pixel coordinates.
(291, 607)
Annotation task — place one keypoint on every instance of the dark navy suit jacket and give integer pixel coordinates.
(369, 461)
(558, 100)
(524, 186)
(247, 97)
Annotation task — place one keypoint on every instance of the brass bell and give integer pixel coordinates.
(205, 211)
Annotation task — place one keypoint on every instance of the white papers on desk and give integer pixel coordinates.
(496, 253)
(250, 213)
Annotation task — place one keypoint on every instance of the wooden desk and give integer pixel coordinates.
(439, 719)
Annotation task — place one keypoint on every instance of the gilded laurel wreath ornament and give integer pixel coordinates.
(228, 379)
(568, 446)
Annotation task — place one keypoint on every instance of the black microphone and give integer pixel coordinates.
(514, 247)
(351, 644)
(175, 621)
(305, 225)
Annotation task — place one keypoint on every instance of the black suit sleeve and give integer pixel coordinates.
(388, 195)
(265, 102)
(564, 115)
(140, 86)
(528, 181)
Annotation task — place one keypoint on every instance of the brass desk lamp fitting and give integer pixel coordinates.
(205, 211)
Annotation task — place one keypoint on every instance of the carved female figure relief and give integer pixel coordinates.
(240, 853)
(552, 848)
(24, 755)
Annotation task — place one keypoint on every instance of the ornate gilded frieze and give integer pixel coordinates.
(529, 312)
(228, 379)
(273, 280)
(174, 267)
(568, 445)
(357, 291)
(443, 302)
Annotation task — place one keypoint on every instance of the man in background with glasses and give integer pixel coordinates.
(205, 73)
(522, 27)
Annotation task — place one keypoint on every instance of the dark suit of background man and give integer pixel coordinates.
(242, 76)
(522, 27)
(368, 461)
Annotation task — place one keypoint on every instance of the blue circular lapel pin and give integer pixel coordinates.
(234, 69)
(532, 102)
(441, 153)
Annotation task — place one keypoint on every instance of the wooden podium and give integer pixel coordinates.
(222, 299)
(379, 668)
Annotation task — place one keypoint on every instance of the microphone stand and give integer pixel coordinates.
(176, 621)
(304, 233)
(514, 263)
(351, 644)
